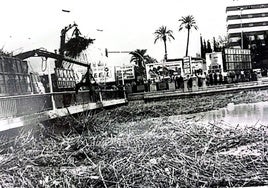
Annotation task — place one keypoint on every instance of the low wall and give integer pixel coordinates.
(162, 95)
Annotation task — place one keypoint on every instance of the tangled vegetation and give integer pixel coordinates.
(139, 145)
(76, 45)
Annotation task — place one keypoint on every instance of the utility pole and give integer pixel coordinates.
(241, 26)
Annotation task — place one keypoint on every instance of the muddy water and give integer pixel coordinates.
(241, 114)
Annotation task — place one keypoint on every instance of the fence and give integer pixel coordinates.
(14, 106)
(21, 105)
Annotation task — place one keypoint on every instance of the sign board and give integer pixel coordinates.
(102, 72)
(237, 59)
(214, 62)
(197, 65)
(187, 65)
(129, 73)
(157, 71)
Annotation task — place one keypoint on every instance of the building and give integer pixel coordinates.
(246, 20)
(230, 60)
(237, 60)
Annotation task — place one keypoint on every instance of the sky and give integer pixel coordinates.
(118, 25)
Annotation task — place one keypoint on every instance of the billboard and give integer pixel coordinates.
(214, 62)
(157, 71)
(103, 73)
(129, 73)
(187, 65)
(237, 59)
(197, 65)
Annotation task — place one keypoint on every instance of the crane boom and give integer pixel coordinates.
(43, 53)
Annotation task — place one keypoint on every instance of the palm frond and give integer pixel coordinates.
(187, 22)
(163, 34)
(139, 57)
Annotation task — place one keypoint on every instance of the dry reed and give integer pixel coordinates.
(131, 147)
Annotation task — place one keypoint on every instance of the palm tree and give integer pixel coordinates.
(151, 60)
(163, 34)
(140, 58)
(188, 23)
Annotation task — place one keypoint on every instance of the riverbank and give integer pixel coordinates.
(139, 145)
(189, 105)
(210, 90)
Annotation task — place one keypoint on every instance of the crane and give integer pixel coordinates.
(46, 54)
(58, 64)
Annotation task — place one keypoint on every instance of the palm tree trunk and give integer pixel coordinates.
(187, 45)
(165, 44)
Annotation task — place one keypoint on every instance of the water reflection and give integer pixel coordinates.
(242, 114)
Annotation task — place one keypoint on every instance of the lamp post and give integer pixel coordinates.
(241, 26)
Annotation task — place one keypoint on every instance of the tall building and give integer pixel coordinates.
(246, 20)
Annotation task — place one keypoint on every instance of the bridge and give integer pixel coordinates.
(31, 108)
(22, 110)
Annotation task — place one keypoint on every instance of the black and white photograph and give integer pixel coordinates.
(134, 94)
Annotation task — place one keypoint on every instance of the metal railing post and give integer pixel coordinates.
(100, 95)
(51, 87)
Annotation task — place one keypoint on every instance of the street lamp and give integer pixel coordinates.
(241, 9)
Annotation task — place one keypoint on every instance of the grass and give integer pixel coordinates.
(139, 146)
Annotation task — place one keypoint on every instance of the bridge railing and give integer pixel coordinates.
(110, 94)
(14, 106)
(21, 105)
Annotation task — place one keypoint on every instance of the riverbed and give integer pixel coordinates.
(171, 143)
(239, 114)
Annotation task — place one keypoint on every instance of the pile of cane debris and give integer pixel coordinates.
(95, 150)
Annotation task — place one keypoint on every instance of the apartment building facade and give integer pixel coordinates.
(246, 19)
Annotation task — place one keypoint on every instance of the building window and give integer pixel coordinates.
(235, 39)
(250, 16)
(261, 37)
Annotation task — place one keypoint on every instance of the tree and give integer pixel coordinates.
(140, 58)
(202, 50)
(223, 42)
(258, 42)
(258, 53)
(266, 38)
(209, 49)
(150, 60)
(163, 34)
(205, 46)
(216, 46)
(246, 41)
(187, 22)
